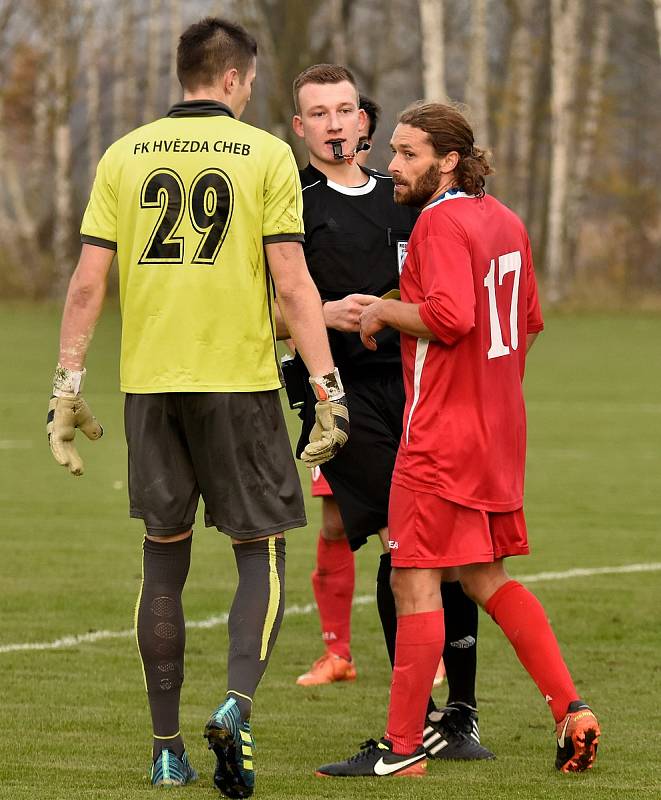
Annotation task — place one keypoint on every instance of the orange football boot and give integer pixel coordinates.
(330, 668)
(577, 738)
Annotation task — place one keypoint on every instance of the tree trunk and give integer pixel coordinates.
(657, 14)
(476, 92)
(176, 30)
(93, 91)
(338, 31)
(11, 251)
(590, 116)
(63, 192)
(154, 36)
(564, 59)
(433, 49)
(515, 140)
(124, 114)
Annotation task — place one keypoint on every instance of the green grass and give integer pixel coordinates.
(75, 722)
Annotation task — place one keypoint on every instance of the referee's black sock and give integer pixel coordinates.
(161, 635)
(460, 652)
(385, 602)
(255, 616)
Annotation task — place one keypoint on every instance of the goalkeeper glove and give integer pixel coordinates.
(67, 411)
(331, 427)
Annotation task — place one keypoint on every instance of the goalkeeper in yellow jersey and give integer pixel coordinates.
(204, 214)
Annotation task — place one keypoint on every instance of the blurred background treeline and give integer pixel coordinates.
(565, 93)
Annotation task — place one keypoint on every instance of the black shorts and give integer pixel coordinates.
(232, 448)
(360, 473)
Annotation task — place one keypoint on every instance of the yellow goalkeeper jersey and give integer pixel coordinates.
(188, 202)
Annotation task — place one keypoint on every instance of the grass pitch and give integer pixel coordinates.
(75, 722)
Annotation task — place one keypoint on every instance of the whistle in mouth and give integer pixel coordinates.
(337, 150)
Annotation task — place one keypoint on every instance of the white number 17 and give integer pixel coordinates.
(510, 262)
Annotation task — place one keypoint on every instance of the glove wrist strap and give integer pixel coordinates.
(328, 387)
(67, 382)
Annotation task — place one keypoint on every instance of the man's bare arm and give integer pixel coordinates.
(299, 305)
(301, 310)
(530, 340)
(67, 410)
(341, 315)
(281, 331)
(87, 290)
(404, 317)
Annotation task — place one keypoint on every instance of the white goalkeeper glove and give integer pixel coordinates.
(67, 411)
(331, 427)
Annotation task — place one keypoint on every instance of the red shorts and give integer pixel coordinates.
(320, 487)
(427, 531)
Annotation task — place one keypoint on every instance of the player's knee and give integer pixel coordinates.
(471, 586)
(480, 581)
(415, 590)
(332, 527)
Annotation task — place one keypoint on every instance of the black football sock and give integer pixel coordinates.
(385, 602)
(161, 635)
(255, 616)
(460, 651)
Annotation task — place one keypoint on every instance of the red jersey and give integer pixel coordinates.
(470, 270)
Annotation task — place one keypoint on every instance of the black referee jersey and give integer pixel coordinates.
(355, 239)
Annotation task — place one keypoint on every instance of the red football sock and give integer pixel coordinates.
(418, 649)
(333, 583)
(523, 620)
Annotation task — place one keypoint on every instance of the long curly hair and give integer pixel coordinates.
(449, 130)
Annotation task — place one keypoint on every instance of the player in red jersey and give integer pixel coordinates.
(468, 313)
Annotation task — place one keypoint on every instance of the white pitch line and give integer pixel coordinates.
(309, 608)
(580, 572)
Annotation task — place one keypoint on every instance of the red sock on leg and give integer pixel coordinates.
(523, 620)
(333, 583)
(418, 649)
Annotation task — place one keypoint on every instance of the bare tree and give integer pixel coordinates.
(154, 38)
(338, 26)
(523, 93)
(564, 59)
(589, 119)
(63, 189)
(433, 49)
(175, 18)
(10, 244)
(124, 79)
(285, 40)
(93, 90)
(476, 91)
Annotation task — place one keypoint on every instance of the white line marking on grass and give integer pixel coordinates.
(15, 444)
(606, 406)
(310, 608)
(580, 572)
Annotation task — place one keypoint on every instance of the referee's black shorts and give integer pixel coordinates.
(232, 448)
(360, 473)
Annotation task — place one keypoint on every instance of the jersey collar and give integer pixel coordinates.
(318, 175)
(200, 108)
(451, 194)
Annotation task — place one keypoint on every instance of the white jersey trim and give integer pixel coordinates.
(449, 195)
(310, 185)
(354, 191)
(420, 355)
